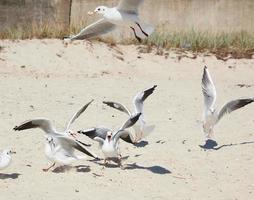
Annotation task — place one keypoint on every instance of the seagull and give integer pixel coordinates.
(124, 14)
(109, 143)
(65, 141)
(5, 158)
(211, 115)
(60, 150)
(141, 129)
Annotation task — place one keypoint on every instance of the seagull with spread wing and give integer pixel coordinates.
(141, 128)
(211, 115)
(124, 14)
(109, 141)
(60, 146)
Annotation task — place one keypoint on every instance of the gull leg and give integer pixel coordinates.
(46, 169)
(138, 38)
(120, 161)
(142, 29)
(105, 163)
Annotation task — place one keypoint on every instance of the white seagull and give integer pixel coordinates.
(211, 115)
(124, 14)
(60, 150)
(141, 128)
(5, 158)
(63, 142)
(109, 144)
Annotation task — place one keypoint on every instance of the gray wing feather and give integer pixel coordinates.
(141, 97)
(130, 122)
(44, 124)
(95, 132)
(118, 106)
(208, 90)
(234, 105)
(96, 29)
(67, 143)
(130, 6)
(77, 114)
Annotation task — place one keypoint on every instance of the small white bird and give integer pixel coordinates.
(211, 115)
(63, 142)
(5, 158)
(125, 14)
(60, 150)
(109, 145)
(142, 130)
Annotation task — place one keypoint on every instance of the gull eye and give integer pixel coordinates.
(99, 9)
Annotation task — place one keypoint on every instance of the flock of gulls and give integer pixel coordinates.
(61, 146)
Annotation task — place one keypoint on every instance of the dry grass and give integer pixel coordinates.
(236, 45)
(223, 45)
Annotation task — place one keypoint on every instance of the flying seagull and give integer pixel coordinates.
(124, 14)
(211, 115)
(57, 136)
(141, 129)
(109, 143)
(5, 158)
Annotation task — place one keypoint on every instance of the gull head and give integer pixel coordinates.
(109, 135)
(99, 10)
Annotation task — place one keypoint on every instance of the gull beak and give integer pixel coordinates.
(90, 13)
(12, 152)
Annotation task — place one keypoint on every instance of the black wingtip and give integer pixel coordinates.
(16, 128)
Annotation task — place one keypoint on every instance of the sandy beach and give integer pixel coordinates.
(45, 78)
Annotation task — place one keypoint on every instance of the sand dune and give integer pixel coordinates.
(44, 78)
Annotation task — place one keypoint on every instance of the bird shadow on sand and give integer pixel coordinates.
(83, 168)
(212, 145)
(9, 176)
(154, 169)
(141, 144)
(79, 168)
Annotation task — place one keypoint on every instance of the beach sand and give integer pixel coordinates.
(45, 78)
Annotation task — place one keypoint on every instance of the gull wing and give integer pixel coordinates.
(141, 97)
(130, 122)
(99, 27)
(95, 132)
(234, 105)
(68, 144)
(44, 124)
(118, 106)
(208, 90)
(130, 6)
(77, 114)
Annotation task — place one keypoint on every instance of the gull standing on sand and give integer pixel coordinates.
(211, 115)
(109, 144)
(5, 158)
(124, 14)
(141, 129)
(60, 146)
